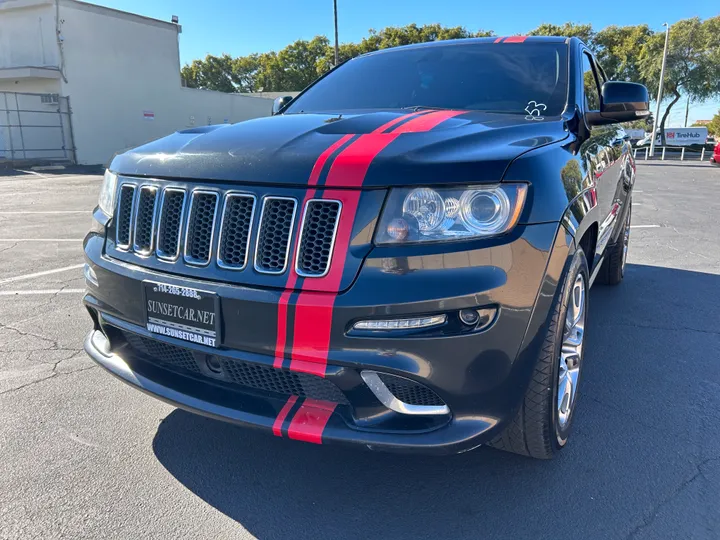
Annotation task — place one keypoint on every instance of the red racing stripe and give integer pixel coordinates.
(281, 337)
(498, 40)
(515, 39)
(310, 420)
(314, 310)
(282, 415)
(426, 122)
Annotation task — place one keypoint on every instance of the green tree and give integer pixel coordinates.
(714, 125)
(617, 50)
(693, 62)
(213, 73)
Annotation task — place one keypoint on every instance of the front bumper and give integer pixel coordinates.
(481, 376)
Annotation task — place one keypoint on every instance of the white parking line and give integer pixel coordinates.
(2, 213)
(644, 226)
(41, 239)
(42, 291)
(40, 274)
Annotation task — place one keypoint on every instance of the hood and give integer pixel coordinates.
(469, 147)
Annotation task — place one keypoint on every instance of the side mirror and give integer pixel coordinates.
(279, 103)
(621, 102)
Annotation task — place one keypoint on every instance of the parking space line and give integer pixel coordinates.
(40, 274)
(41, 239)
(42, 291)
(46, 212)
(644, 226)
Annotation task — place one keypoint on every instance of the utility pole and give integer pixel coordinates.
(337, 46)
(687, 110)
(660, 89)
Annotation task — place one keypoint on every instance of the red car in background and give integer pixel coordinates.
(716, 155)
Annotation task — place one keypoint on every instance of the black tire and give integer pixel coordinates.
(613, 268)
(535, 431)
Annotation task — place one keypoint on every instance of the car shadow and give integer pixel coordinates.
(638, 436)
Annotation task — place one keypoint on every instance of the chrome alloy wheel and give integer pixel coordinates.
(571, 352)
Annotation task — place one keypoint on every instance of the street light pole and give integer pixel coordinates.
(337, 46)
(660, 90)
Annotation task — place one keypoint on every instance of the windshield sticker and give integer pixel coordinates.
(535, 110)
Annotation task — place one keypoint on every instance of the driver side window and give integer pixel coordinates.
(592, 95)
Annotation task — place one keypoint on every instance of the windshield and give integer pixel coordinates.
(528, 78)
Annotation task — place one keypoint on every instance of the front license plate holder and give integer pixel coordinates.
(184, 313)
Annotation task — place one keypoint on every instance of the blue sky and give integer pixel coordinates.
(239, 27)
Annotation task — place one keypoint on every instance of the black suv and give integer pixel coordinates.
(399, 257)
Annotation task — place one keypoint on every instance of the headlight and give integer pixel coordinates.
(106, 201)
(426, 214)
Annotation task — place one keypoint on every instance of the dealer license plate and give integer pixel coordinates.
(182, 313)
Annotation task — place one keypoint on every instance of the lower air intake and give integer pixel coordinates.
(410, 392)
(236, 372)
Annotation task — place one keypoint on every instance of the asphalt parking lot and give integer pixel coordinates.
(84, 456)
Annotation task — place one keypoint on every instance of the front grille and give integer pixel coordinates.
(201, 227)
(317, 237)
(168, 221)
(237, 221)
(410, 392)
(237, 372)
(145, 220)
(273, 245)
(125, 207)
(171, 218)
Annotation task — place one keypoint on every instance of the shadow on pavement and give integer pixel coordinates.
(644, 428)
(75, 170)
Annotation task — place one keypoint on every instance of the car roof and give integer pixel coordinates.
(474, 41)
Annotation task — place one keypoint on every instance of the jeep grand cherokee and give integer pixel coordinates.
(399, 257)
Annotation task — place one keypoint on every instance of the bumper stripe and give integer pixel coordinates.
(282, 415)
(309, 422)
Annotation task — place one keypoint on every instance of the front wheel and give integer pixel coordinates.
(542, 424)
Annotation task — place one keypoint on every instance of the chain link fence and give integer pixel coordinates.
(35, 128)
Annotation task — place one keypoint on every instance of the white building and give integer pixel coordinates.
(120, 71)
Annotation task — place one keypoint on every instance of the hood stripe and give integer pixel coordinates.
(427, 122)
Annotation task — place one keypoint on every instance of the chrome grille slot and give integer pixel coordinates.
(172, 212)
(273, 244)
(317, 237)
(235, 230)
(143, 239)
(200, 227)
(125, 208)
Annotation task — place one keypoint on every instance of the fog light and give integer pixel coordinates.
(90, 276)
(479, 318)
(401, 324)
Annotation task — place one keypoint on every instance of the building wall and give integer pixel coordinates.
(33, 85)
(27, 34)
(121, 66)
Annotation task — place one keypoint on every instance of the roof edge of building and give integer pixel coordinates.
(142, 19)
